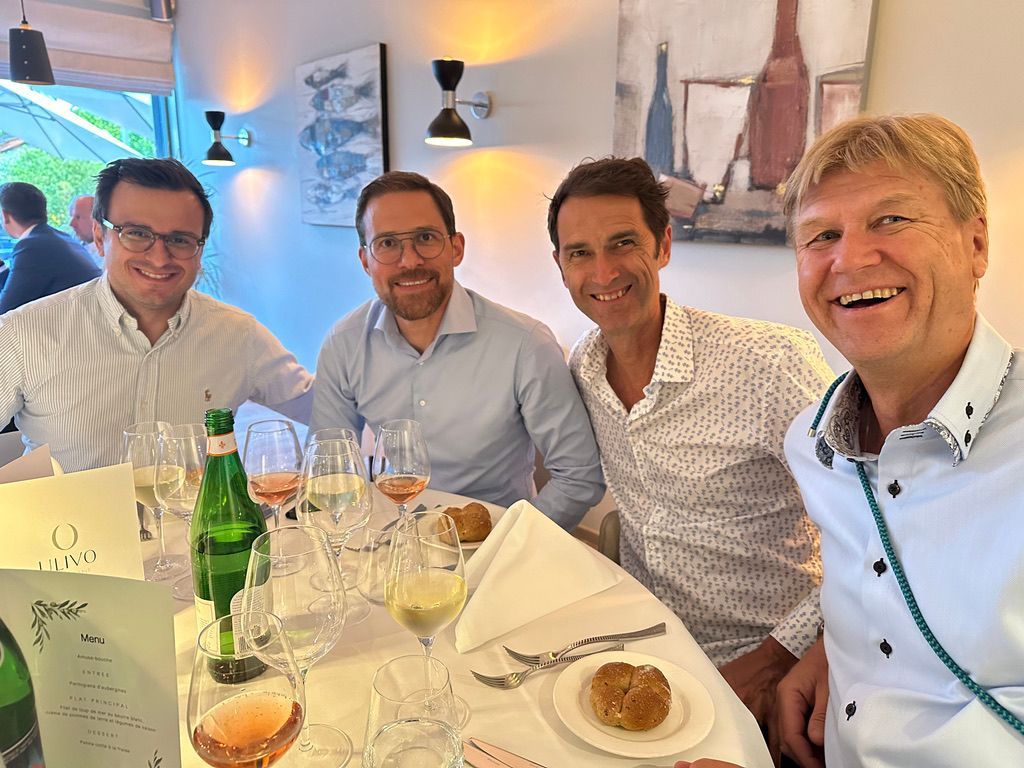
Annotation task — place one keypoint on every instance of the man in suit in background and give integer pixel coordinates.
(44, 260)
(80, 221)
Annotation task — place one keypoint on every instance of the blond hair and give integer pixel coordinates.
(927, 144)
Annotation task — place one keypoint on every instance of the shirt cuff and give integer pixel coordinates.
(799, 630)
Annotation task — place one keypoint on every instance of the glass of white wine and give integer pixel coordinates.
(244, 722)
(426, 583)
(139, 448)
(401, 466)
(338, 500)
(181, 461)
(412, 719)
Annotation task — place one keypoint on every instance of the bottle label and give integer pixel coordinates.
(205, 612)
(221, 445)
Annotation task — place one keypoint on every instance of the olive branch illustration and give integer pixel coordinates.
(43, 612)
(156, 761)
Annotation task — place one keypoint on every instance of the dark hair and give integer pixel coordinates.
(25, 203)
(153, 173)
(613, 176)
(404, 181)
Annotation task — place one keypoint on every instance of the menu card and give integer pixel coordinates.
(83, 521)
(100, 653)
(35, 463)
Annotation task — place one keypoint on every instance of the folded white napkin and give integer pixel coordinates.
(526, 568)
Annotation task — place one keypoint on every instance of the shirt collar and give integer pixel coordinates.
(958, 415)
(676, 333)
(27, 232)
(459, 317)
(119, 317)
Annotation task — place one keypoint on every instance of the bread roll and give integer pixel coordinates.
(473, 521)
(634, 698)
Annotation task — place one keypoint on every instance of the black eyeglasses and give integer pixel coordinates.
(387, 249)
(139, 239)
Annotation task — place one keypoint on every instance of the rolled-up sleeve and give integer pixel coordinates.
(558, 424)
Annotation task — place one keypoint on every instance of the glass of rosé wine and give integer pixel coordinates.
(401, 466)
(246, 702)
(272, 458)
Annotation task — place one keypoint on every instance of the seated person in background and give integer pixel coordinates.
(486, 383)
(915, 467)
(137, 344)
(80, 221)
(44, 260)
(690, 409)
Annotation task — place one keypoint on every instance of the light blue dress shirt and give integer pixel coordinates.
(491, 386)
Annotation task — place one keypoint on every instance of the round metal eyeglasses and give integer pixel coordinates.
(139, 239)
(387, 249)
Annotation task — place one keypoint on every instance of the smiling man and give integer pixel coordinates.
(914, 471)
(138, 344)
(486, 383)
(690, 409)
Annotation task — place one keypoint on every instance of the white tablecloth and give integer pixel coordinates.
(523, 719)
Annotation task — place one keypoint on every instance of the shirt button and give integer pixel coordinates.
(423, 402)
(851, 709)
(885, 648)
(879, 566)
(894, 488)
(420, 363)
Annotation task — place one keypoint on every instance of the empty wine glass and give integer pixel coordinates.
(412, 718)
(312, 617)
(181, 460)
(273, 462)
(401, 466)
(338, 500)
(139, 448)
(246, 701)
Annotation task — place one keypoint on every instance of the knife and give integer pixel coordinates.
(503, 755)
(477, 758)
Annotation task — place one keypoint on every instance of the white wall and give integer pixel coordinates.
(551, 67)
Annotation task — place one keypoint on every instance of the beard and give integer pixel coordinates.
(424, 303)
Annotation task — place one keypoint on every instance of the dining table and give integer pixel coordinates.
(522, 720)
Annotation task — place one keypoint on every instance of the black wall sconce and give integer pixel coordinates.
(218, 154)
(448, 129)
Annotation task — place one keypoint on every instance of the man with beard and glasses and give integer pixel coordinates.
(487, 384)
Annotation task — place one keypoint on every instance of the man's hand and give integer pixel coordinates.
(800, 708)
(755, 675)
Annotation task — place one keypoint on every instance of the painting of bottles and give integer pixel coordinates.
(343, 136)
(721, 98)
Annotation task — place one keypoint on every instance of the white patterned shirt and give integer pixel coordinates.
(712, 521)
(75, 370)
(950, 492)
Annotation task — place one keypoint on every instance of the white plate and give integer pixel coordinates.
(689, 719)
(430, 499)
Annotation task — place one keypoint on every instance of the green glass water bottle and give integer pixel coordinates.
(224, 526)
(20, 746)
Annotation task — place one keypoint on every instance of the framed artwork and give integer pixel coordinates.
(343, 138)
(721, 98)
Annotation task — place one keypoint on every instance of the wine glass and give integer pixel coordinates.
(272, 459)
(400, 463)
(139, 448)
(181, 461)
(338, 500)
(412, 718)
(246, 702)
(312, 617)
(333, 433)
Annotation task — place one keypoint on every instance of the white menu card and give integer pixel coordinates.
(83, 521)
(100, 652)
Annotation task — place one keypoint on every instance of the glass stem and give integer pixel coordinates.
(305, 742)
(428, 645)
(401, 511)
(158, 515)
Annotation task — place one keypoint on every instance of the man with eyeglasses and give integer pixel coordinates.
(137, 343)
(487, 384)
(44, 259)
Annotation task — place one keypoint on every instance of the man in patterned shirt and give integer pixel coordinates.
(690, 410)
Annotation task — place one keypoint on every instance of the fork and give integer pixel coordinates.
(535, 659)
(515, 679)
(144, 534)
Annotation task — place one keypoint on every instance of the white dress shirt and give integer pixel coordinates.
(950, 490)
(75, 370)
(712, 521)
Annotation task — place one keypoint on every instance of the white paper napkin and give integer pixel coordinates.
(526, 568)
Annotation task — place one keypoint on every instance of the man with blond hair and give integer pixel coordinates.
(912, 471)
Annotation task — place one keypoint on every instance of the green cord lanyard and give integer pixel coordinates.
(908, 595)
